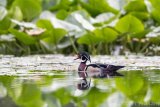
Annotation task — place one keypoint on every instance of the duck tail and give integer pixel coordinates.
(118, 74)
(115, 68)
(118, 67)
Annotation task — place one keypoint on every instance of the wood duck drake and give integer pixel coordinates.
(97, 69)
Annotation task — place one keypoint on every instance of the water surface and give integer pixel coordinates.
(59, 89)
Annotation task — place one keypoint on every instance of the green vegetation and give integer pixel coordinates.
(65, 26)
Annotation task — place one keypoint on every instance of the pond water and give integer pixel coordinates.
(60, 89)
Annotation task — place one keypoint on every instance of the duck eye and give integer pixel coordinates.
(83, 58)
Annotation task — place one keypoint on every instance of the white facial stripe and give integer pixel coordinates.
(83, 60)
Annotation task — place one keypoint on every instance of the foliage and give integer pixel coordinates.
(97, 27)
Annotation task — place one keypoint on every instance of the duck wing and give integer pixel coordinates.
(108, 67)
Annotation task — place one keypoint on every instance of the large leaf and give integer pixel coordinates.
(16, 13)
(23, 37)
(156, 15)
(30, 96)
(4, 25)
(155, 88)
(3, 12)
(29, 8)
(141, 15)
(129, 24)
(107, 34)
(96, 97)
(55, 36)
(95, 7)
(59, 23)
(155, 10)
(52, 35)
(89, 39)
(45, 24)
(131, 84)
(62, 4)
(62, 14)
(136, 5)
(82, 19)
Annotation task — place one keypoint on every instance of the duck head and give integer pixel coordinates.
(84, 56)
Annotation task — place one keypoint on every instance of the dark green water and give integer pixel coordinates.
(134, 89)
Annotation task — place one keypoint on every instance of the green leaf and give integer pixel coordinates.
(45, 24)
(53, 35)
(141, 34)
(155, 4)
(16, 13)
(155, 10)
(62, 14)
(5, 24)
(140, 15)
(29, 8)
(65, 99)
(156, 16)
(136, 5)
(89, 39)
(108, 34)
(155, 88)
(96, 97)
(30, 96)
(130, 84)
(62, 4)
(3, 12)
(23, 37)
(129, 24)
(95, 7)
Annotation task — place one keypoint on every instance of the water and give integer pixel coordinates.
(60, 89)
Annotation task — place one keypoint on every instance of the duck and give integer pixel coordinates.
(97, 70)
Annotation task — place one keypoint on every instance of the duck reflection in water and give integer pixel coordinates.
(83, 84)
(96, 70)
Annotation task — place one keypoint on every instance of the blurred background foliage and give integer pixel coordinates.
(65, 26)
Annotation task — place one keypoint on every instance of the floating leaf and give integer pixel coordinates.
(130, 24)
